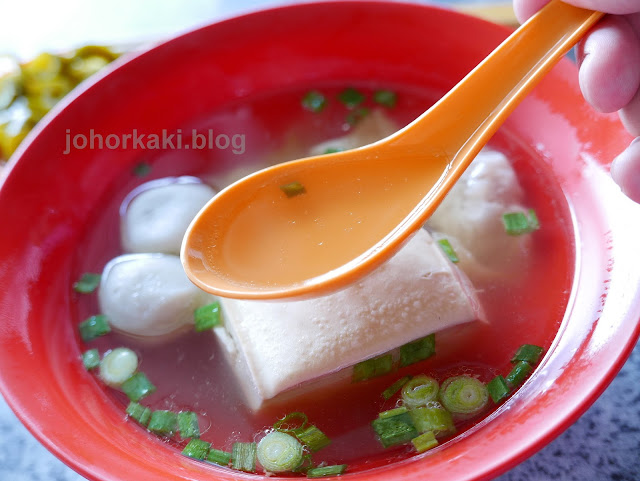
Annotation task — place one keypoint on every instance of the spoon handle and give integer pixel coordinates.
(461, 123)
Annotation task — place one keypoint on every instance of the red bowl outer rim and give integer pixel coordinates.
(597, 335)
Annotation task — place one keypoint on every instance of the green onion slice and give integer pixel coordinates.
(91, 359)
(433, 418)
(395, 430)
(394, 388)
(314, 101)
(386, 98)
(464, 395)
(188, 425)
(420, 391)
(498, 389)
(378, 366)
(292, 189)
(118, 365)
(138, 386)
(140, 413)
(243, 457)
(424, 442)
(313, 438)
(294, 422)
(279, 452)
(529, 353)
(94, 327)
(325, 471)
(142, 169)
(351, 97)
(207, 317)
(197, 449)
(417, 351)
(163, 422)
(517, 223)
(216, 456)
(392, 412)
(448, 250)
(87, 283)
(518, 374)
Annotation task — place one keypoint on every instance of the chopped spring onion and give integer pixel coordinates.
(448, 250)
(425, 442)
(216, 456)
(464, 395)
(433, 418)
(142, 169)
(325, 471)
(394, 388)
(392, 412)
(377, 366)
(94, 327)
(351, 97)
(353, 117)
(294, 422)
(163, 422)
(420, 391)
(517, 223)
(243, 457)
(385, 97)
(518, 374)
(498, 389)
(118, 365)
(87, 283)
(314, 101)
(529, 353)
(398, 429)
(207, 317)
(293, 188)
(332, 150)
(140, 413)
(188, 425)
(137, 387)
(91, 359)
(279, 452)
(197, 449)
(417, 351)
(313, 438)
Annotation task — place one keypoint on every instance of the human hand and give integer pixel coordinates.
(609, 60)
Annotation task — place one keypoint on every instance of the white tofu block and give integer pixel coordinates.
(280, 345)
(148, 295)
(472, 214)
(155, 216)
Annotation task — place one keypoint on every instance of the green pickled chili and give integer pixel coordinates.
(279, 452)
(420, 391)
(464, 396)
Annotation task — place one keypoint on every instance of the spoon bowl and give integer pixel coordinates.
(354, 209)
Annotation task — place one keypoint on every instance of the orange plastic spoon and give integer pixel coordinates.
(252, 241)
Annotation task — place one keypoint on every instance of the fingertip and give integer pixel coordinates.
(525, 8)
(625, 171)
(630, 115)
(610, 65)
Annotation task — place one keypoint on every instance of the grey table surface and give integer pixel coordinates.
(604, 444)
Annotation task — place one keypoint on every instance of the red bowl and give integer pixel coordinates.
(47, 199)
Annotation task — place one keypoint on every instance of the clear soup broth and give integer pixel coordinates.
(190, 372)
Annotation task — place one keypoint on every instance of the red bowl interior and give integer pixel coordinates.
(47, 199)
